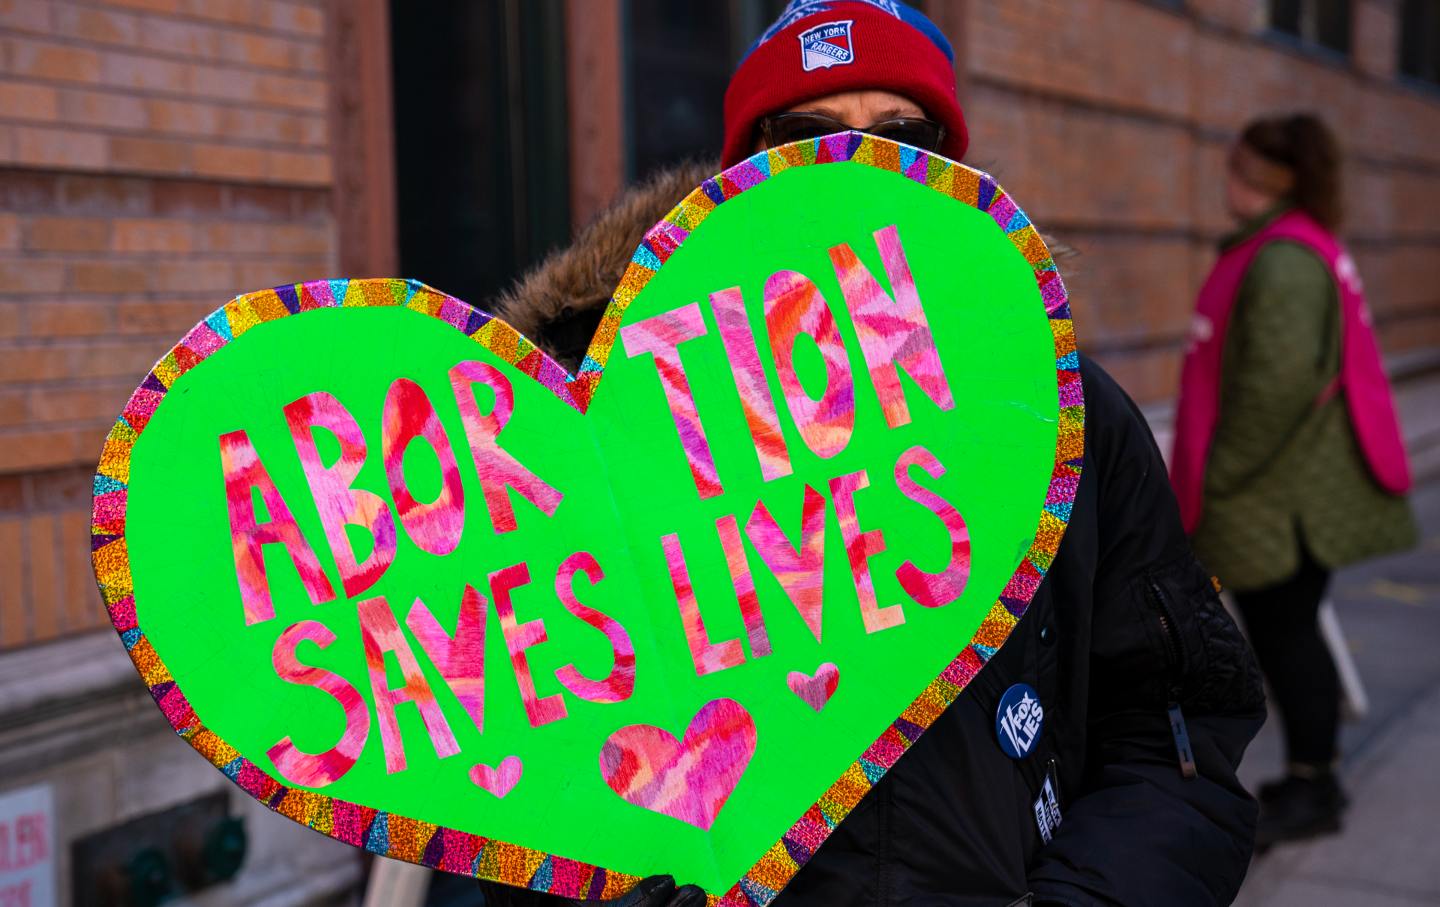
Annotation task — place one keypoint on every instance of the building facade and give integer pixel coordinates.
(154, 158)
(159, 156)
(1110, 122)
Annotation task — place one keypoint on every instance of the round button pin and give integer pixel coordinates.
(1018, 720)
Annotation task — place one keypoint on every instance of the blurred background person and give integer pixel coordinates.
(1288, 459)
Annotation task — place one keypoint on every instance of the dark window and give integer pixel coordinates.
(481, 153)
(1420, 39)
(678, 60)
(1323, 23)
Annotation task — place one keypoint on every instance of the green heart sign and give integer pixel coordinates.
(407, 581)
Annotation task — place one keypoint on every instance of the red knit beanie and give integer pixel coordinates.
(821, 47)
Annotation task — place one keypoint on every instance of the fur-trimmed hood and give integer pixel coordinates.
(558, 304)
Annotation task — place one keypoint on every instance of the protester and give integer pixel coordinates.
(1124, 640)
(1288, 460)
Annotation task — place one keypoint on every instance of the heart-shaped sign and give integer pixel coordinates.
(407, 581)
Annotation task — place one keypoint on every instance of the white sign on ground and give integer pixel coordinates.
(27, 848)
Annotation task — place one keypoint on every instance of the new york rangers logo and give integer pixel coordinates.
(826, 45)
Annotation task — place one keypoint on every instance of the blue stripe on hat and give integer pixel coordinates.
(796, 10)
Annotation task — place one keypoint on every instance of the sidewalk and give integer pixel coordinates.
(1387, 854)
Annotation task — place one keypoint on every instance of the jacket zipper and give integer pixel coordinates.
(1175, 667)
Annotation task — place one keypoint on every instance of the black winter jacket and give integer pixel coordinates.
(1125, 638)
(1125, 624)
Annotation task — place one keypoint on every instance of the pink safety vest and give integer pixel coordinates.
(1362, 374)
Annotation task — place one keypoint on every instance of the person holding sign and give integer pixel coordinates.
(1289, 461)
(1093, 760)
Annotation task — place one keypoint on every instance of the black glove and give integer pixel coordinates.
(655, 891)
(659, 891)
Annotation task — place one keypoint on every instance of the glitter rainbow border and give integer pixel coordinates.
(447, 849)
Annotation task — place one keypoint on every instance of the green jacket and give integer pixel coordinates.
(1284, 468)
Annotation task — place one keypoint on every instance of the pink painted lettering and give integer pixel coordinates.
(794, 306)
(661, 336)
(709, 657)
(520, 637)
(498, 470)
(893, 333)
(620, 682)
(744, 583)
(408, 414)
(244, 472)
(338, 503)
(859, 548)
(932, 590)
(800, 570)
(460, 658)
(381, 634)
(755, 399)
(318, 769)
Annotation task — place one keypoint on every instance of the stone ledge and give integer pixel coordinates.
(283, 886)
(42, 680)
(74, 715)
(71, 696)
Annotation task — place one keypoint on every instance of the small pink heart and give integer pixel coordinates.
(816, 690)
(687, 779)
(498, 781)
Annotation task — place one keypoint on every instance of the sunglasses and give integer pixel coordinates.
(784, 128)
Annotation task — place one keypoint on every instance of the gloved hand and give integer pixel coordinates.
(655, 891)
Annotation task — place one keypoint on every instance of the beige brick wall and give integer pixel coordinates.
(156, 157)
(1109, 121)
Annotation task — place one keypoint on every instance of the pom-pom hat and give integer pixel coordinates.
(823, 47)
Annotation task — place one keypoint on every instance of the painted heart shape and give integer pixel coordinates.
(815, 689)
(498, 780)
(687, 779)
(349, 531)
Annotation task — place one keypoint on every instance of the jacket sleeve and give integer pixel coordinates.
(1136, 831)
(1276, 353)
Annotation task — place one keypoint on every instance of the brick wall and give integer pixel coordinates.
(1109, 121)
(156, 157)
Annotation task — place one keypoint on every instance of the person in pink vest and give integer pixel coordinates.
(1288, 459)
